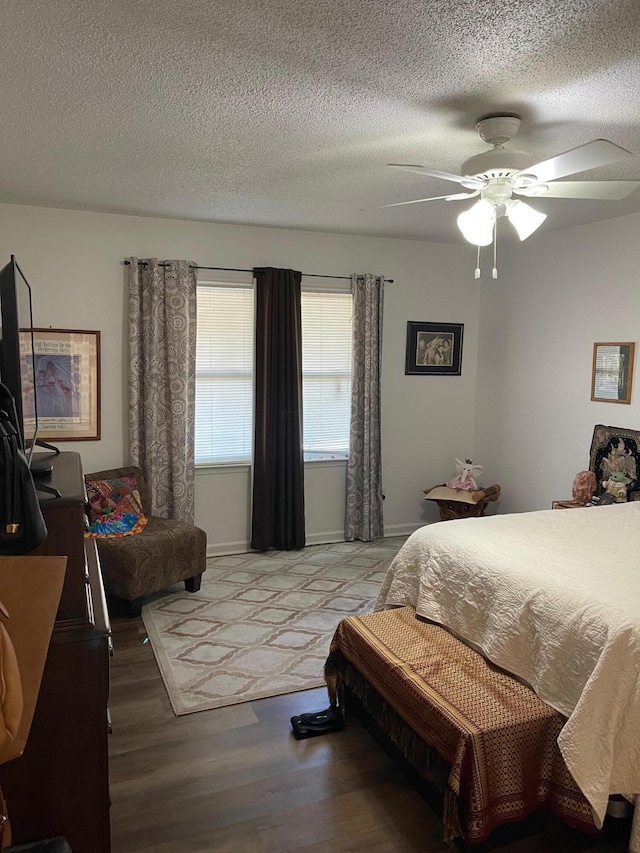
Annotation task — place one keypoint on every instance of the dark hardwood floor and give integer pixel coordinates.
(234, 780)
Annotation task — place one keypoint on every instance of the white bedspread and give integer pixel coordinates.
(553, 597)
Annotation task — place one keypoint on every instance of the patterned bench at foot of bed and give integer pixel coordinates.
(496, 741)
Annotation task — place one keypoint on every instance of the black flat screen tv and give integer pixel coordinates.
(17, 361)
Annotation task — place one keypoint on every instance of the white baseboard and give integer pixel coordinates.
(401, 529)
(223, 549)
(328, 538)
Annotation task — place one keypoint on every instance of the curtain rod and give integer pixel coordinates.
(233, 269)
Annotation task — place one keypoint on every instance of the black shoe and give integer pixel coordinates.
(317, 723)
(318, 718)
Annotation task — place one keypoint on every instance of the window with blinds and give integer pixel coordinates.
(326, 373)
(224, 374)
(609, 371)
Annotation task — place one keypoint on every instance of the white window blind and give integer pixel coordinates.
(326, 373)
(224, 374)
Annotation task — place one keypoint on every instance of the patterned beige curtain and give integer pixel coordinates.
(363, 516)
(162, 361)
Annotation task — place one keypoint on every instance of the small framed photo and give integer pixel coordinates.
(612, 372)
(67, 384)
(434, 349)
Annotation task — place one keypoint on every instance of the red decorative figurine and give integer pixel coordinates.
(584, 487)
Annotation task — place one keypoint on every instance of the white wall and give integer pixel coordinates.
(557, 294)
(73, 261)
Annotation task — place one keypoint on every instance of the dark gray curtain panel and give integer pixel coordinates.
(278, 469)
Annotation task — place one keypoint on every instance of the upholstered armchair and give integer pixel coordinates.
(164, 552)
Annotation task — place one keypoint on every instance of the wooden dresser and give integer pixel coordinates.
(60, 784)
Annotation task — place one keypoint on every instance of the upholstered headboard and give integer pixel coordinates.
(616, 449)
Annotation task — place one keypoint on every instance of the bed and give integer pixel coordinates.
(554, 599)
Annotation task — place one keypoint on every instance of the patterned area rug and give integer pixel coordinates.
(262, 623)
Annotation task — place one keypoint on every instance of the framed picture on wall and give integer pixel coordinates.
(612, 372)
(433, 349)
(67, 384)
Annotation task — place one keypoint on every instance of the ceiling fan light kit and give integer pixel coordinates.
(523, 217)
(498, 174)
(477, 223)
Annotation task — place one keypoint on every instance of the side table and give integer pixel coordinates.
(458, 503)
(567, 505)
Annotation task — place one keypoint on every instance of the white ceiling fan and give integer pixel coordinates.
(498, 175)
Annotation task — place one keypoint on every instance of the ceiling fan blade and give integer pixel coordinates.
(461, 196)
(603, 190)
(434, 173)
(455, 197)
(600, 152)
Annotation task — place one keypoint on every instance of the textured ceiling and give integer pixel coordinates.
(285, 112)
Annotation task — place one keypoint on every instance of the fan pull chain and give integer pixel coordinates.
(477, 273)
(494, 272)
